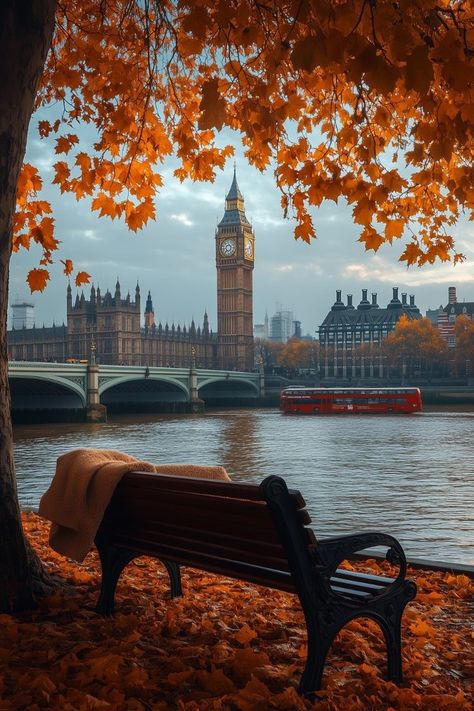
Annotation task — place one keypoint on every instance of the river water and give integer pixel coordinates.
(412, 477)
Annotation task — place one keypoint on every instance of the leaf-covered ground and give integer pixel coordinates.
(225, 645)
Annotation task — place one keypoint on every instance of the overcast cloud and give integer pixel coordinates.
(174, 257)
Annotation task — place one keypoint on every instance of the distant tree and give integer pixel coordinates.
(369, 101)
(415, 345)
(298, 353)
(464, 351)
(269, 352)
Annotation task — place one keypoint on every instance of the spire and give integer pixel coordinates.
(234, 206)
(234, 192)
(149, 304)
(149, 312)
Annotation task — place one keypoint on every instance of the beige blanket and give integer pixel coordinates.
(82, 487)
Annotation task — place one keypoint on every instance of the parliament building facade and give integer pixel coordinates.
(111, 324)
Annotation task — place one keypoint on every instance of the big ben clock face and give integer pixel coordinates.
(248, 249)
(227, 247)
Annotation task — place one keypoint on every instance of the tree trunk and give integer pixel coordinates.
(26, 29)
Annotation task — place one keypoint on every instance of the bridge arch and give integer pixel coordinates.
(134, 393)
(33, 396)
(224, 390)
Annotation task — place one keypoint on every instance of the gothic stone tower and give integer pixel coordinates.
(110, 322)
(235, 250)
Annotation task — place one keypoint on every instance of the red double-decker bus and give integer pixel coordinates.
(315, 401)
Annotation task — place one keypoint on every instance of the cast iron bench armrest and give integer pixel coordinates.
(331, 552)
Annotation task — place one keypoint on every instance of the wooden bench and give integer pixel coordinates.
(258, 534)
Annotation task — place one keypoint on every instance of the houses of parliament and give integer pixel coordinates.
(111, 324)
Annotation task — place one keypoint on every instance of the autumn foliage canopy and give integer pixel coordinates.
(415, 340)
(368, 101)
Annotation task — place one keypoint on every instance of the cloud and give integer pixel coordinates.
(89, 234)
(175, 191)
(284, 268)
(183, 218)
(382, 271)
(263, 219)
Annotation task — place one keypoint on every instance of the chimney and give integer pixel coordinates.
(338, 304)
(452, 295)
(404, 300)
(374, 300)
(412, 300)
(364, 294)
(395, 293)
(349, 301)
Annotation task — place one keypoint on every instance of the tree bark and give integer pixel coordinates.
(26, 30)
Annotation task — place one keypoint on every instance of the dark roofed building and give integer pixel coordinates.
(350, 336)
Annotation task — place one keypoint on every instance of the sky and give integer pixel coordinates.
(174, 257)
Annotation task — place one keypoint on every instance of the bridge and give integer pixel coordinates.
(86, 391)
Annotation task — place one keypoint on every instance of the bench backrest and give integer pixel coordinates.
(222, 527)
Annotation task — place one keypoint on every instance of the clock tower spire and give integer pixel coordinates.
(235, 250)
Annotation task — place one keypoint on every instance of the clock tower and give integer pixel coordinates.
(235, 253)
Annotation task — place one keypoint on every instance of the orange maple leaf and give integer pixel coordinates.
(419, 70)
(105, 205)
(37, 279)
(394, 228)
(68, 266)
(82, 278)
(212, 106)
(371, 238)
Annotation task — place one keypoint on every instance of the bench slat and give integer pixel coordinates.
(342, 572)
(203, 502)
(240, 543)
(259, 556)
(221, 522)
(269, 577)
(355, 594)
(234, 489)
(224, 515)
(372, 588)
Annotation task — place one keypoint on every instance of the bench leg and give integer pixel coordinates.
(319, 642)
(174, 573)
(313, 672)
(391, 625)
(113, 561)
(390, 622)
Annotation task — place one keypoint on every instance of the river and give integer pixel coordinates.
(412, 477)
